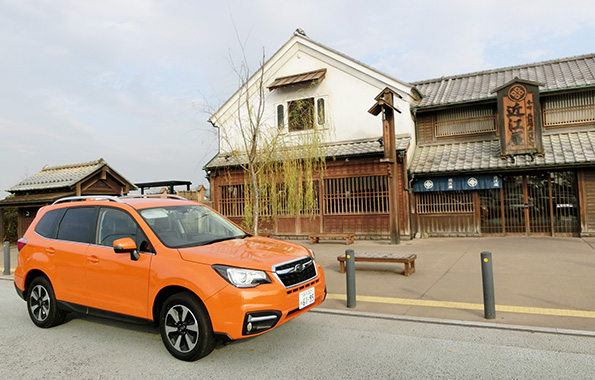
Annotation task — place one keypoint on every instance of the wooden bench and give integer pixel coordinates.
(349, 237)
(408, 259)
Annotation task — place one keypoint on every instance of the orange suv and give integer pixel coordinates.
(176, 263)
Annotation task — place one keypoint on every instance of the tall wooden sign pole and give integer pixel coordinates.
(384, 104)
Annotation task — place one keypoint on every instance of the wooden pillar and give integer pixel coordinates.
(390, 157)
(385, 105)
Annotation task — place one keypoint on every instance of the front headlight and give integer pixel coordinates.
(242, 277)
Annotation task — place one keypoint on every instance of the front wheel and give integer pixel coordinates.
(186, 327)
(42, 305)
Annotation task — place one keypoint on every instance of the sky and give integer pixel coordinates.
(135, 81)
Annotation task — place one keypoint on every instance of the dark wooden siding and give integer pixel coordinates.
(425, 127)
(448, 224)
(587, 201)
(374, 224)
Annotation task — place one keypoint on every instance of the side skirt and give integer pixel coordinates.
(80, 309)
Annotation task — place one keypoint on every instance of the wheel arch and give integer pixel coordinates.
(167, 292)
(32, 275)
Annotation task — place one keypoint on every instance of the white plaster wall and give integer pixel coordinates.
(348, 92)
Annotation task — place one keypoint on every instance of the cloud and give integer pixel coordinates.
(130, 81)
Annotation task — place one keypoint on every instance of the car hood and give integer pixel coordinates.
(253, 252)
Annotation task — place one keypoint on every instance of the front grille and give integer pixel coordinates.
(295, 272)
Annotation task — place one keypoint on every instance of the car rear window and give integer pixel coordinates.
(46, 226)
(77, 224)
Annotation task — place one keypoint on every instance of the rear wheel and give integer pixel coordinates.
(42, 305)
(186, 327)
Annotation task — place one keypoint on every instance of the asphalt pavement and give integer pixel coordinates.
(311, 346)
(541, 283)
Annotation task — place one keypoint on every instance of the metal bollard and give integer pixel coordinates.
(6, 258)
(488, 285)
(350, 276)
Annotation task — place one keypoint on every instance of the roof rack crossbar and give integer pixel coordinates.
(89, 197)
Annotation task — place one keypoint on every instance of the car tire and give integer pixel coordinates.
(186, 328)
(42, 305)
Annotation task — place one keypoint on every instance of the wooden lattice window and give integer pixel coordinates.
(232, 200)
(465, 120)
(283, 207)
(567, 109)
(356, 195)
(444, 202)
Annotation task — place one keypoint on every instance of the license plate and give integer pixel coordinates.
(307, 298)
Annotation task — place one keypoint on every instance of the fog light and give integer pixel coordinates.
(259, 321)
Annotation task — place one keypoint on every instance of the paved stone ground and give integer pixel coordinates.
(538, 281)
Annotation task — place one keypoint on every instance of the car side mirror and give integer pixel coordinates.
(127, 245)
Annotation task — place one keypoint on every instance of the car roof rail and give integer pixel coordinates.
(89, 198)
(169, 196)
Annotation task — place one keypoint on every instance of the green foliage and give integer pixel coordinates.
(279, 164)
(288, 184)
(10, 219)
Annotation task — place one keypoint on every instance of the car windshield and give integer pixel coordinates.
(190, 226)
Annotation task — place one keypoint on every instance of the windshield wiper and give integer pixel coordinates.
(225, 238)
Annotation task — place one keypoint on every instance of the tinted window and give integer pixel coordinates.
(46, 227)
(116, 224)
(77, 224)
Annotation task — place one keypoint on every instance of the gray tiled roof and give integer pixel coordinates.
(565, 73)
(55, 177)
(337, 149)
(561, 149)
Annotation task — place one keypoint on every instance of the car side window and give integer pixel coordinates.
(77, 224)
(48, 223)
(116, 224)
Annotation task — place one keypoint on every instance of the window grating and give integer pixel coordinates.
(465, 120)
(356, 195)
(273, 201)
(447, 202)
(232, 200)
(561, 110)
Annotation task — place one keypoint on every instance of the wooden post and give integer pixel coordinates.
(385, 104)
(390, 155)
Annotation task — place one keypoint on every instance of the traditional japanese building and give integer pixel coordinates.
(498, 152)
(507, 151)
(54, 182)
(333, 94)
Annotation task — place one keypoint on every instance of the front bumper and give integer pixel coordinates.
(238, 313)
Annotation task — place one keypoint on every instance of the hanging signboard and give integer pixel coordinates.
(469, 182)
(519, 115)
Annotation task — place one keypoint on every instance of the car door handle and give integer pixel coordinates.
(93, 259)
(50, 251)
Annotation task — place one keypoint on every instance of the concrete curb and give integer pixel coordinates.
(452, 322)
